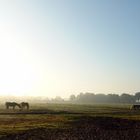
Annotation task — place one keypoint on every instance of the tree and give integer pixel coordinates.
(137, 96)
(113, 98)
(72, 97)
(126, 98)
(58, 99)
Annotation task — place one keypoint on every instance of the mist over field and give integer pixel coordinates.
(81, 98)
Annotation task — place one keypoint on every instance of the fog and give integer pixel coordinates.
(81, 98)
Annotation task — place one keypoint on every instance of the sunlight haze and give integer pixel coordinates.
(63, 47)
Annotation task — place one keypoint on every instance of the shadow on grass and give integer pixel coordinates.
(85, 127)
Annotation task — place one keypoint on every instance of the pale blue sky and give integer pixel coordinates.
(63, 47)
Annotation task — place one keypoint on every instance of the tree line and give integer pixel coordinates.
(102, 98)
(82, 98)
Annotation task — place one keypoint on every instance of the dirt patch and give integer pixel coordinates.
(85, 128)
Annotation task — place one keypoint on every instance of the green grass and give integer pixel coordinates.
(57, 115)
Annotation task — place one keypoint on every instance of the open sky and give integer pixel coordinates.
(62, 47)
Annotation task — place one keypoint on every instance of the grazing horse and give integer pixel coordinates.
(135, 107)
(12, 104)
(24, 105)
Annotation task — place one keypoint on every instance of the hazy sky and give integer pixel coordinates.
(63, 47)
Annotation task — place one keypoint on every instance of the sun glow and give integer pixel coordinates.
(17, 76)
(19, 69)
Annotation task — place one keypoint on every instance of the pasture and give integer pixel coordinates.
(70, 121)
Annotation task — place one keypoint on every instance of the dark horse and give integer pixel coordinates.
(135, 106)
(12, 104)
(24, 105)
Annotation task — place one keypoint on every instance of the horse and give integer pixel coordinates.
(12, 104)
(24, 105)
(135, 106)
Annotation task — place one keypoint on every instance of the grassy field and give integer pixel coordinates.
(60, 121)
